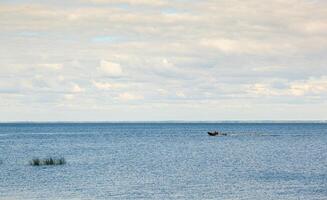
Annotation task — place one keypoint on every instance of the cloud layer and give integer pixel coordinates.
(163, 60)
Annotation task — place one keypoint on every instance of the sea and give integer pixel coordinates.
(255, 161)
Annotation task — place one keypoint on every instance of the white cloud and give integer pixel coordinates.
(263, 90)
(126, 96)
(310, 87)
(132, 2)
(180, 94)
(171, 52)
(162, 92)
(76, 88)
(69, 96)
(60, 78)
(244, 46)
(225, 45)
(317, 26)
(110, 68)
(166, 63)
(267, 68)
(314, 86)
(107, 86)
(51, 66)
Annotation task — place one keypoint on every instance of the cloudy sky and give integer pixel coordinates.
(114, 60)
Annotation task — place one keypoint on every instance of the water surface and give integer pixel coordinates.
(165, 161)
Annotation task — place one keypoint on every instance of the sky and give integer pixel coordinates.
(157, 60)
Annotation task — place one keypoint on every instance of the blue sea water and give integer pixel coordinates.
(165, 161)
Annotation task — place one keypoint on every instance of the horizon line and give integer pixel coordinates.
(164, 121)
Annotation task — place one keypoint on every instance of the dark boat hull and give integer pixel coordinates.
(213, 133)
(216, 134)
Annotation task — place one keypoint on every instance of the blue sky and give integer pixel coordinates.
(121, 60)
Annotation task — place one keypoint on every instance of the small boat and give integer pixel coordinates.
(216, 133)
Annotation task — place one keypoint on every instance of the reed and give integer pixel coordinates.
(47, 161)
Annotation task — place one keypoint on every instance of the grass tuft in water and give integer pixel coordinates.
(47, 161)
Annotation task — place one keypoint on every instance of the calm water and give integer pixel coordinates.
(165, 161)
